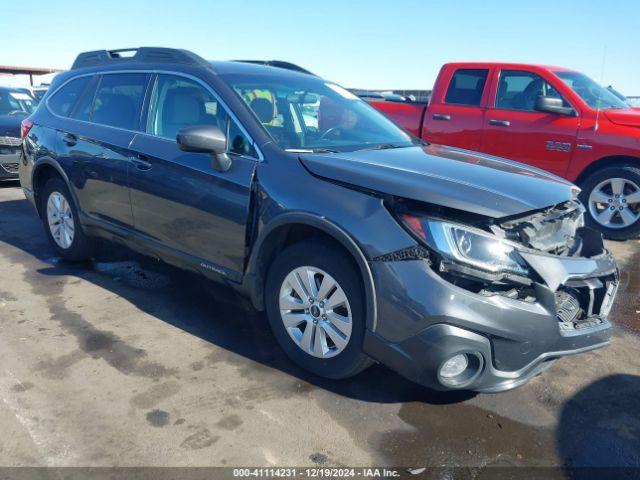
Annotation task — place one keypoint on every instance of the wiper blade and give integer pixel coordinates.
(311, 150)
(386, 146)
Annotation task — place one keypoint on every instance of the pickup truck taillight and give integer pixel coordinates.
(25, 126)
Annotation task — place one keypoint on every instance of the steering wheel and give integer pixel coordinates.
(329, 131)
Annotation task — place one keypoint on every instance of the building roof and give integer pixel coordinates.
(8, 70)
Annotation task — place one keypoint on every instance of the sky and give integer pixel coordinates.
(359, 44)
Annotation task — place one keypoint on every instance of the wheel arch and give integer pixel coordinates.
(610, 161)
(290, 228)
(45, 169)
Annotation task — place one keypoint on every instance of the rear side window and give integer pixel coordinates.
(118, 101)
(466, 87)
(82, 110)
(62, 102)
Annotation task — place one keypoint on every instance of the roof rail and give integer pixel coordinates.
(138, 55)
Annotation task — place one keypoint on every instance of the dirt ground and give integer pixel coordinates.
(127, 362)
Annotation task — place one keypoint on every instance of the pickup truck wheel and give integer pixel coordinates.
(315, 304)
(612, 199)
(61, 223)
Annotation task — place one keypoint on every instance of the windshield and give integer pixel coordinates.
(16, 103)
(309, 114)
(594, 95)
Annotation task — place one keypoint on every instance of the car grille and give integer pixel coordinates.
(10, 141)
(585, 303)
(10, 167)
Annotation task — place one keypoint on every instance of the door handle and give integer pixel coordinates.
(69, 139)
(500, 123)
(441, 116)
(141, 162)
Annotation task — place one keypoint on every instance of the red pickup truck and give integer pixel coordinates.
(553, 118)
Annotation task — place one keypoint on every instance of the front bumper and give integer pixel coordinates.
(10, 154)
(423, 320)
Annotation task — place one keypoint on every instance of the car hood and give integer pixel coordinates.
(446, 176)
(10, 125)
(629, 117)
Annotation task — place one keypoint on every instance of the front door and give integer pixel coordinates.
(513, 129)
(179, 201)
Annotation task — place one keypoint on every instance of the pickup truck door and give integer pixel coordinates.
(456, 113)
(514, 130)
(180, 203)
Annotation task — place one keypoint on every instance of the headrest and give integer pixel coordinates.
(182, 107)
(264, 109)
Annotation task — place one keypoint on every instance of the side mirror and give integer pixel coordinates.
(553, 105)
(206, 139)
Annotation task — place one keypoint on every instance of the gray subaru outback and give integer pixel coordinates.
(363, 244)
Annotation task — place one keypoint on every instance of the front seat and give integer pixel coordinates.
(531, 93)
(264, 110)
(181, 109)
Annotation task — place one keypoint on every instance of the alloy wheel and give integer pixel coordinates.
(315, 312)
(60, 220)
(615, 203)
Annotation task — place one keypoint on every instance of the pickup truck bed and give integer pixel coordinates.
(409, 115)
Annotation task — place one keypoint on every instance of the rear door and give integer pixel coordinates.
(513, 129)
(108, 115)
(179, 201)
(456, 113)
(75, 144)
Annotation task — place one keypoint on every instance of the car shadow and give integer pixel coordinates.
(9, 184)
(195, 305)
(598, 433)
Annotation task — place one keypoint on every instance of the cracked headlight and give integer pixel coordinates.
(467, 249)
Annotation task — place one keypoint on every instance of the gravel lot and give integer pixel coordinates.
(127, 362)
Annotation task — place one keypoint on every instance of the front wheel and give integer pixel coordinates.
(315, 304)
(612, 199)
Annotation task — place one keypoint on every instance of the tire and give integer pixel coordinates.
(339, 361)
(80, 247)
(600, 186)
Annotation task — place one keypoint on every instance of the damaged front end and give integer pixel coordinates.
(547, 257)
(570, 260)
(488, 302)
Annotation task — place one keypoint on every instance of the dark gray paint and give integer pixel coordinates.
(220, 224)
(448, 177)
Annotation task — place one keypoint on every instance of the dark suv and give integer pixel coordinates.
(15, 105)
(457, 270)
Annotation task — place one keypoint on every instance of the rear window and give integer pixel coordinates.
(62, 102)
(466, 87)
(119, 100)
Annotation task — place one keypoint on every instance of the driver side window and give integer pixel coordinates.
(518, 90)
(179, 102)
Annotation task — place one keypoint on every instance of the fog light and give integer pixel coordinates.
(454, 366)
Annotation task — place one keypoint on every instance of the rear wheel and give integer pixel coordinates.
(315, 304)
(61, 223)
(612, 199)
